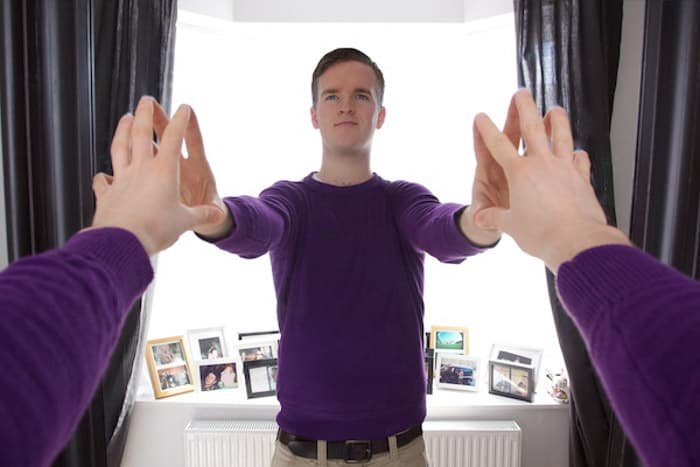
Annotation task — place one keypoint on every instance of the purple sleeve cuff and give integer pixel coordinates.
(598, 278)
(256, 227)
(121, 255)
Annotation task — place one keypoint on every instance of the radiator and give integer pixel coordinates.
(480, 443)
(448, 444)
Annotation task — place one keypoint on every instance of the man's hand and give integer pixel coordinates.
(143, 196)
(197, 182)
(490, 187)
(552, 211)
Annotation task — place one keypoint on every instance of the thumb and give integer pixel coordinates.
(491, 218)
(583, 164)
(206, 214)
(100, 183)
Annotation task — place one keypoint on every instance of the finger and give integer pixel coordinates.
(100, 184)
(120, 149)
(492, 219)
(559, 132)
(497, 144)
(583, 164)
(142, 133)
(205, 214)
(193, 138)
(160, 120)
(512, 126)
(171, 144)
(531, 125)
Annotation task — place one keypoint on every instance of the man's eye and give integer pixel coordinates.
(362, 97)
(331, 97)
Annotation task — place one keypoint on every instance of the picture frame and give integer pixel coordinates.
(259, 335)
(218, 374)
(512, 380)
(429, 364)
(169, 366)
(253, 349)
(449, 339)
(260, 377)
(207, 343)
(456, 371)
(517, 354)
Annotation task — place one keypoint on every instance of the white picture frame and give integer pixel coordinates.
(457, 371)
(207, 343)
(220, 374)
(518, 355)
(256, 349)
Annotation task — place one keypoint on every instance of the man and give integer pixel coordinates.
(347, 251)
(639, 318)
(56, 305)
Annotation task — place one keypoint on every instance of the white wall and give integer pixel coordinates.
(222, 9)
(345, 11)
(361, 10)
(626, 108)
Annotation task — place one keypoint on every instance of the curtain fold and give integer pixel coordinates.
(665, 218)
(134, 49)
(69, 70)
(568, 53)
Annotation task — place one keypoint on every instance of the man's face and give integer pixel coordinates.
(347, 111)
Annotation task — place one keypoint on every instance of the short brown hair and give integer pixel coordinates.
(345, 55)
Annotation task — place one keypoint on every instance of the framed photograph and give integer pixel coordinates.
(429, 364)
(512, 380)
(169, 366)
(518, 355)
(449, 339)
(260, 377)
(259, 335)
(458, 372)
(249, 350)
(207, 343)
(217, 374)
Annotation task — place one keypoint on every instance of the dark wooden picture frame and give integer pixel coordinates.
(429, 364)
(512, 380)
(260, 377)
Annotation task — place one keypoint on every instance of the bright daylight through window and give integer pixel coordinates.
(250, 86)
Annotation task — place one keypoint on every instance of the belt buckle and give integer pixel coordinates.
(355, 447)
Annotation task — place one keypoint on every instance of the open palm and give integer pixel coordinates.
(197, 182)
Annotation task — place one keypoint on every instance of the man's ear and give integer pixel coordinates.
(314, 118)
(381, 117)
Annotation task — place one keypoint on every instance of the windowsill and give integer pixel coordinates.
(440, 402)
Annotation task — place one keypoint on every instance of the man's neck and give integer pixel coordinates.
(345, 169)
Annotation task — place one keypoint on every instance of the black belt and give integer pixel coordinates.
(353, 451)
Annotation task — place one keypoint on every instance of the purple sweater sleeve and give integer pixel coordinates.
(431, 226)
(641, 322)
(260, 223)
(62, 312)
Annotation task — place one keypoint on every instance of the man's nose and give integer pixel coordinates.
(345, 106)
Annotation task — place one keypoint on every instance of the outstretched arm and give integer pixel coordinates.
(61, 312)
(639, 318)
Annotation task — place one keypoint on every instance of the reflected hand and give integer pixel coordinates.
(552, 211)
(143, 196)
(197, 182)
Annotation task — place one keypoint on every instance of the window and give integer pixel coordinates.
(250, 85)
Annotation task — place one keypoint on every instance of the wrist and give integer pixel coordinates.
(578, 239)
(482, 238)
(214, 232)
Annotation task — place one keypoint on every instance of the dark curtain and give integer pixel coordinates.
(134, 45)
(666, 199)
(70, 69)
(568, 53)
